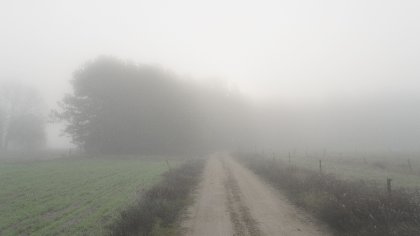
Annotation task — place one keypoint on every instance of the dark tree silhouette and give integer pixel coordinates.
(119, 107)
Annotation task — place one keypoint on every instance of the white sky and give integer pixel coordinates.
(293, 50)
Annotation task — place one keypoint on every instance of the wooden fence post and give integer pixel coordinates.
(388, 185)
(409, 165)
(320, 166)
(169, 166)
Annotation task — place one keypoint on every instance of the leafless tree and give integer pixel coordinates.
(22, 122)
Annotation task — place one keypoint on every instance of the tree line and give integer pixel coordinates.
(119, 107)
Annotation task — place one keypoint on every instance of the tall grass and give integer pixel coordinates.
(348, 207)
(157, 211)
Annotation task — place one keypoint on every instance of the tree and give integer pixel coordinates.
(2, 128)
(118, 107)
(122, 108)
(21, 117)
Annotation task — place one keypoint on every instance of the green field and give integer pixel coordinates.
(70, 197)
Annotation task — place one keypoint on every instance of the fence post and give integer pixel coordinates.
(169, 166)
(320, 166)
(388, 185)
(409, 165)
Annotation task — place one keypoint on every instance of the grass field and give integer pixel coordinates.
(373, 169)
(70, 197)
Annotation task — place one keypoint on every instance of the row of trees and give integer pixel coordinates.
(22, 123)
(123, 108)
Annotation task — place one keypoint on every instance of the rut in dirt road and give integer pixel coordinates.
(240, 215)
(231, 200)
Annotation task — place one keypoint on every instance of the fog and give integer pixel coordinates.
(315, 75)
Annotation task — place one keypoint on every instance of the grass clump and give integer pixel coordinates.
(349, 207)
(157, 211)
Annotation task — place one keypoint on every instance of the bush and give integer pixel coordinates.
(156, 212)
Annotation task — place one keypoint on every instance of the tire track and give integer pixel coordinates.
(231, 200)
(243, 223)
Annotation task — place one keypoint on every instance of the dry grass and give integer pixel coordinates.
(349, 207)
(156, 212)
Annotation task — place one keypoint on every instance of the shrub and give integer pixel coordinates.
(156, 212)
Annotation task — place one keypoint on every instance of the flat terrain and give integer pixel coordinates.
(374, 169)
(231, 200)
(70, 197)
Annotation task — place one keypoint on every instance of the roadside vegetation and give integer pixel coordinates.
(72, 196)
(158, 210)
(349, 207)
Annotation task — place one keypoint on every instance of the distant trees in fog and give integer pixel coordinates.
(2, 127)
(22, 124)
(119, 107)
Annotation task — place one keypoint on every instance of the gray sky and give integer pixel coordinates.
(297, 51)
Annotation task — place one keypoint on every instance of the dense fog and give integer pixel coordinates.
(188, 77)
(118, 107)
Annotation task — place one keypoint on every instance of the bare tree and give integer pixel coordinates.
(21, 117)
(2, 128)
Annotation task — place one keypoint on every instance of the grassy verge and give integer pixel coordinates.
(348, 207)
(157, 211)
(375, 169)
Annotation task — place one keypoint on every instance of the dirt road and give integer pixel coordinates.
(231, 200)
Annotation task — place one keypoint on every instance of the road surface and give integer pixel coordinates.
(231, 200)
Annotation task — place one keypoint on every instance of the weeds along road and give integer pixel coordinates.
(231, 200)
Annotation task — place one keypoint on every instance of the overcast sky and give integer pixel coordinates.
(297, 51)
